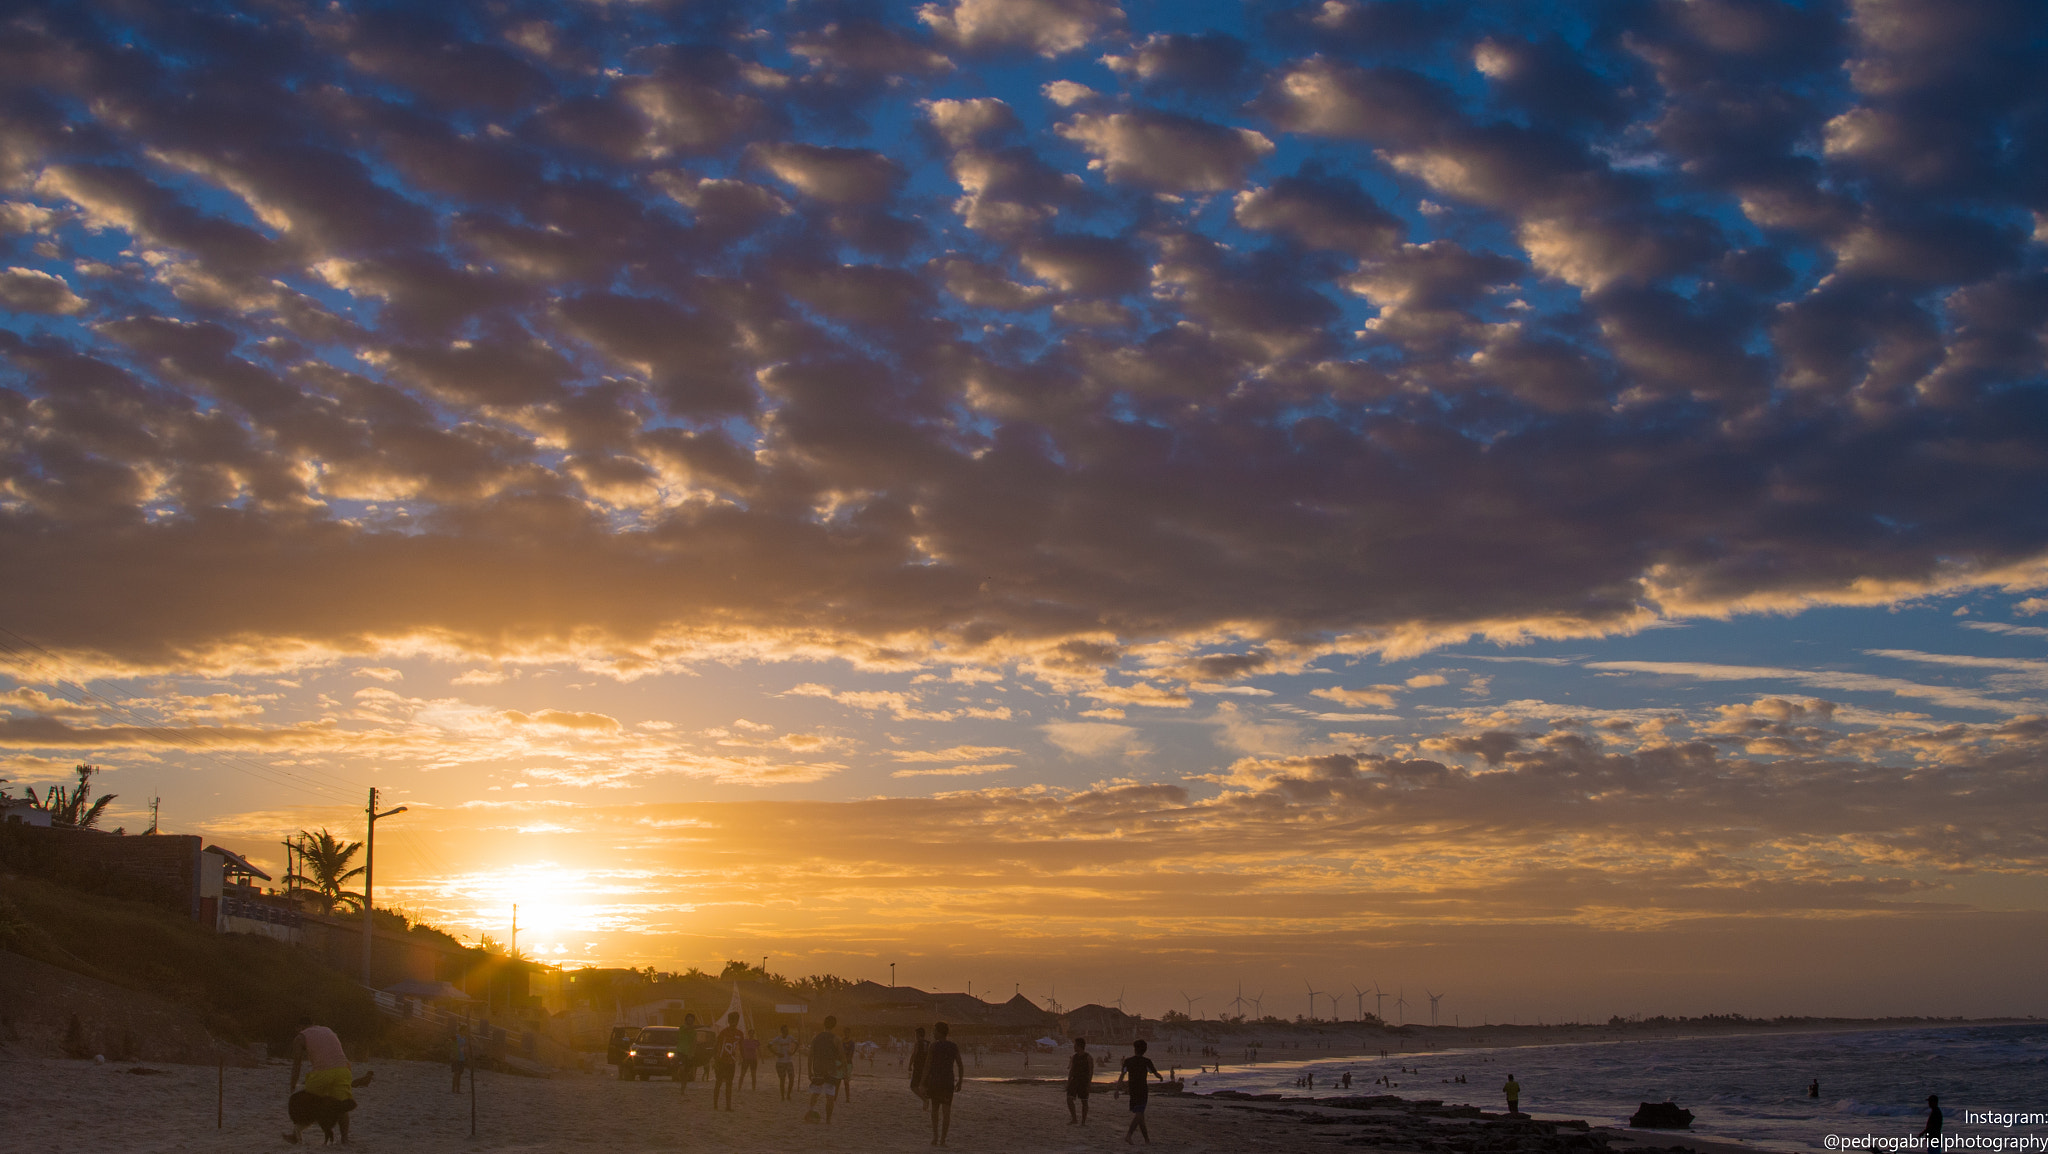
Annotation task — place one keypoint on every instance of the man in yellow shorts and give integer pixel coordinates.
(330, 1076)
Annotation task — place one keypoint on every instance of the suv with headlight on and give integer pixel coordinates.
(655, 1052)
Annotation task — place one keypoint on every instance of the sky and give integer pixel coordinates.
(1175, 502)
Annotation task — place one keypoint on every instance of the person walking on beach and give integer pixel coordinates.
(1132, 1077)
(824, 1070)
(1513, 1090)
(725, 1059)
(686, 1053)
(330, 1076)
(783, 1046)
(458, 1059)
(1933, 1129)
(944, 1073)
(920, 1061)
(1080, 1080)
(750, 1059)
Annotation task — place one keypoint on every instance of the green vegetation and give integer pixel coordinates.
(325, 872)
(246, 988)
(74, 807)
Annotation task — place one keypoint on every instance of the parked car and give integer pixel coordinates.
(615, 1047)
(653, 1053)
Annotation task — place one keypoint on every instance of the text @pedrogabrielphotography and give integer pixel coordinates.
(2017, 1142)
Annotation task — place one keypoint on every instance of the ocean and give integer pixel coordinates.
(1752, 1088)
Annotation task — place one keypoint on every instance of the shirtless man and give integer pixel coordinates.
(330, 1076)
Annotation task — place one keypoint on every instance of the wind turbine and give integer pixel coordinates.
(1258, 1005)
(1237, 1003)
(1191, 1004)
(1379, 1000)
(1361, 1000)
(1433, 1000)
(1401, 1007)
(1119, 999)
(1313, 994)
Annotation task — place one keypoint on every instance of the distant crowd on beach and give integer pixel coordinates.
(937, 1073)
(936, 1068)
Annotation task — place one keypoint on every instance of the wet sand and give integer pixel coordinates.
(62, 1106)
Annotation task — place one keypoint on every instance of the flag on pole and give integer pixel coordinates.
(735, 1007)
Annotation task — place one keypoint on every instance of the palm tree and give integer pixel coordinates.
(73, 808)
(324, 861)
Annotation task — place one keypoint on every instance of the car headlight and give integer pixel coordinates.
(632, 1053)
(671, 1053)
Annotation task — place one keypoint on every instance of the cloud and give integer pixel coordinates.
(966, 123)
(1355, 696)
(1167, 152)
(1141, 694)
(1949, 696)
(29, 290)
(1194, 62)
(563, 719)
(1068, 93)
(1321, 211)
(2007, 630)
(1084, 264)
(955, 753)
(1088, 738)
(953, 771)
(831, 174)
(1047, 27)
(571, 349)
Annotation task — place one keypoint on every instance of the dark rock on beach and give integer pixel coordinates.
(1660, 1116)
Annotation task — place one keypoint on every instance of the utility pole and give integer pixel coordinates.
(892, 975)
(515, 929)
(153, 803)
(369, 875)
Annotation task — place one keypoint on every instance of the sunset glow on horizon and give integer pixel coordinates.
(1539, 501)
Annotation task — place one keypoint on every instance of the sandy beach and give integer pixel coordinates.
(60, 1106)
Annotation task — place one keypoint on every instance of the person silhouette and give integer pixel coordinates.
(1933, 1129)
(824, 1070)
(725, 1059)
(944, 1074)
(1132, 1078)
(1080, 1080)
(920, 1059)
(783, 1046)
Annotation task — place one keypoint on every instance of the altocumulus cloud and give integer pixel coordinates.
(626, 334)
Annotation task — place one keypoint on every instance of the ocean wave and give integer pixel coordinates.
(1876, 1109)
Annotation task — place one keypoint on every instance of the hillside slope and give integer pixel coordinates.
(238, 988)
